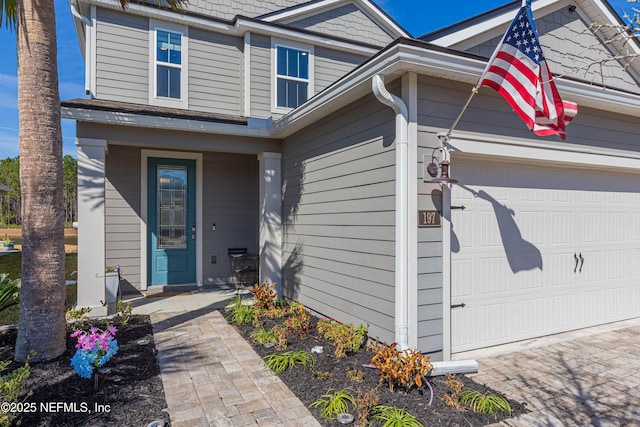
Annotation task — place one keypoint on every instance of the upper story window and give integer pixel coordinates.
(293, 72)
(168, 64)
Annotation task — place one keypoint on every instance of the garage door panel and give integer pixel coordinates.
(561, 312)
(494, 321)
(558, 262)
(462, 274)
(559, 227)
(518, 238)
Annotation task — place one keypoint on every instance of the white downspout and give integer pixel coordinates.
(402, 198)
(87, 50)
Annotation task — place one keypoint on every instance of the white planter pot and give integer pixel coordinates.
(112, 283)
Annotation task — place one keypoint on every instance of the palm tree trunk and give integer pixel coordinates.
(41, 327)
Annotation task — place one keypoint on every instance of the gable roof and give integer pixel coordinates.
(571, 47)
(314, 7)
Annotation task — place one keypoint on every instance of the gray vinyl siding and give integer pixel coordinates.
(122, 52)
(346, 21)
(214, 72)
(122, 211)
(572, 49)
(230, 200)
(331, 65)
(439, 101)
(227, 9)
(339, 216)
(260, 76)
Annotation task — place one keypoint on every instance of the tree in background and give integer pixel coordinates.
(10, 202)
(70, 189)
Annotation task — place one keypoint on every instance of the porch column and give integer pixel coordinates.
(91, 225)
(271, 219)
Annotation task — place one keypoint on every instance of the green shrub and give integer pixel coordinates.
(242, 315)
(280, 362)
(486, 403)
(334, 402)
(10, 387)
(235, 302)
(392, 416)
(9, 291)
(346, 338)
(262, 336)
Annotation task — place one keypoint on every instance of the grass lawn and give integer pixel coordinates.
(11, 264)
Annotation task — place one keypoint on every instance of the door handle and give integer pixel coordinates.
(575, 267)
(581, 262)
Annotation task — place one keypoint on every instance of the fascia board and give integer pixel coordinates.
(402, 58)
(152, 122)
(239, 28)
(494, 27)
(385, 19)
(79, 27)
(299, 12)
(600, 99)
(313, 8)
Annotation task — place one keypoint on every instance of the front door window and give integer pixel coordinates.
(172, 207)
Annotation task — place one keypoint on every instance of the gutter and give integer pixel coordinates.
(87, 48)
(402, 199)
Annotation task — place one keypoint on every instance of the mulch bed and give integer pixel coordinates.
(308, 388)
(132, 390)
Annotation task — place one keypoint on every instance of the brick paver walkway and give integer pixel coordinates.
(589, 381)
(212, 376)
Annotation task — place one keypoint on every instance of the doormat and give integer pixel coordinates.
(167, 294)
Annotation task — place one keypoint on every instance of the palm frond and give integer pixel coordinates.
(9, 14)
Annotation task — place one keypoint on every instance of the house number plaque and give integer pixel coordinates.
(429, 219)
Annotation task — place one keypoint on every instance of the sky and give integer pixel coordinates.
(416, 16)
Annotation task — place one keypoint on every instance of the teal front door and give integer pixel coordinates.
(171, 227)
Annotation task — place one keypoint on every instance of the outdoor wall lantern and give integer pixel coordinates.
(442, 165)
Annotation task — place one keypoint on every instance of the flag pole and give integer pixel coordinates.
(455, 122)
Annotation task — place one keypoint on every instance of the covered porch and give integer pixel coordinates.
(165, 205)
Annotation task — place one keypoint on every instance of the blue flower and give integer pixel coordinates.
(81, 363)
(113, 349)
(85, 361)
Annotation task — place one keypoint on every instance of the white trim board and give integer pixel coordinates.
(154, 99)
(543, 152)
(314, 8)
(275, 43)
(144, 157)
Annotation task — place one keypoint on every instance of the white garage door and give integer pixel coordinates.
(541, 250)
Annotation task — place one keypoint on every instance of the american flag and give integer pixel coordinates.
(519, 72)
